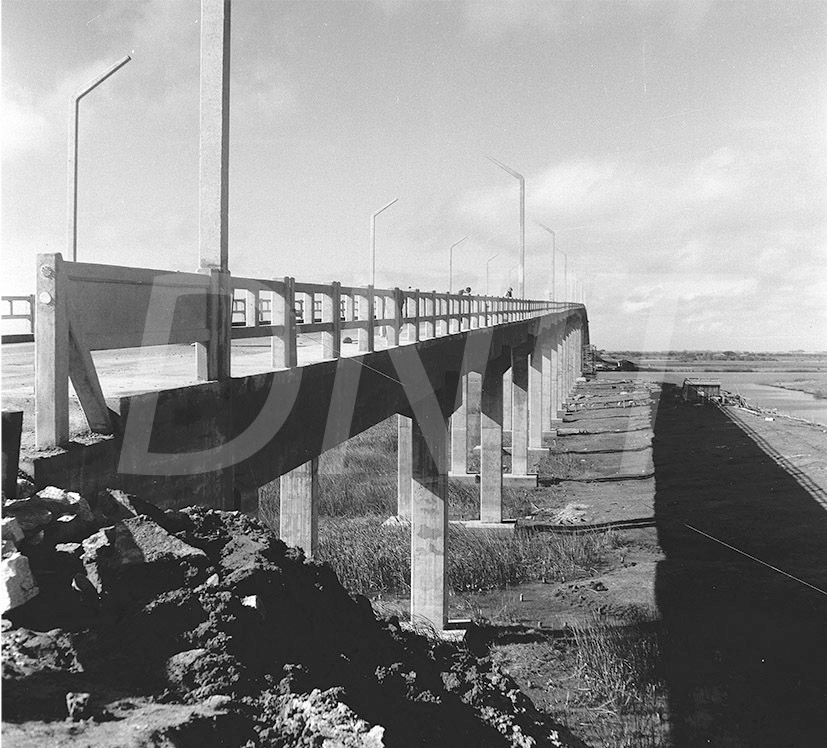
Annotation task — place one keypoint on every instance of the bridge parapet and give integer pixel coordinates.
(85, 307)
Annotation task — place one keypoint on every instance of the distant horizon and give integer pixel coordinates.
(793, 352)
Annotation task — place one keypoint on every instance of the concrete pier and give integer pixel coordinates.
(519, 411)
(459, 430)
(491, 446)
(535, 394)
(429, 524)
(298, 512)
(404, 427)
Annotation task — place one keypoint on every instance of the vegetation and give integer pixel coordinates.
(371, 558)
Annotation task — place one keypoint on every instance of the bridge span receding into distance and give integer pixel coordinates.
(218, 440)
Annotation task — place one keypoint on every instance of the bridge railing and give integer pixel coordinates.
(19, 308)
(84, 307)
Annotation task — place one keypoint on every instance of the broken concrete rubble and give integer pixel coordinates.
(19, 585)
(138, 557)
(213, 615)
(12, 530)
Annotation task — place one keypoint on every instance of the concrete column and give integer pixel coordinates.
(547, 343)
(251, 308)
(535, 394)
(394, 331)
(491, 447)
(429, 524)
(331, 312)
(51, 348)
(453, 308)
(283, 347)
(556, 373)
(566, 368)
(213, 356)
(298, 522)
(366, 314)
(404, 426)
(459, 430)
(508, 399)
(519, 412)
(430, 315)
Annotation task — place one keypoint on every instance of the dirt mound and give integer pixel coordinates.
(200, 627)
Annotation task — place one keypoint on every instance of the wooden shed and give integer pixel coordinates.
(700, 390)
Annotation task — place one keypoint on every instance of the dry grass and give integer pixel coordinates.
(371, 558)
(620, 687)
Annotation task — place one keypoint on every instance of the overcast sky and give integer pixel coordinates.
(678, 150)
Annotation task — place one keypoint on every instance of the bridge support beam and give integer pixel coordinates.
(404, 466)
(298, 512)
(429, 523)
(519, 412)
(491, 446)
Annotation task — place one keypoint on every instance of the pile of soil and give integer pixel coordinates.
(200, 627)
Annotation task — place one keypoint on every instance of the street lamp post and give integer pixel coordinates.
(487, 266)
(513, 267)
(553, 253)
(72, 157)
(373, 240)
(517, 175)
(451, 263)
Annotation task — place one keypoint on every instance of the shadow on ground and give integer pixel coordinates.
(743, 649)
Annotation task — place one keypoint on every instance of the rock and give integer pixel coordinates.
(320, 718)
(180, 668)
(78, 706)
(31, 514)
(137, 558)
(60, 502)
(9, 547)
(12, 530)
(69, 528)
(255, 602)
(67, 551)
(27, 652)
(25, 488)
(19, 585)
(113, 505)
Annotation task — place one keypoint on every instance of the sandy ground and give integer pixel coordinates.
(731, 570)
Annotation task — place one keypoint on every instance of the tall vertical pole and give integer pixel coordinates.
(72, 154)
(214, 153)
(451, 264)
(521, 178)
(373, 240)
(213, 357)
(553, 253)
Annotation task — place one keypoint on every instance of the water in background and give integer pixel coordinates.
(755, 386)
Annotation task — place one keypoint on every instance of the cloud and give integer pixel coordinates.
(23, 126)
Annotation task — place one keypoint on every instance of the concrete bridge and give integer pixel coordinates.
(219, 440)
